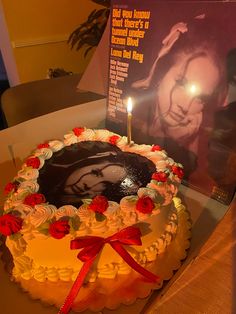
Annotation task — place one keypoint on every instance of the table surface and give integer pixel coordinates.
(208, 285)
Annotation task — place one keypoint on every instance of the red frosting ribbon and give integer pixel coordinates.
(92, 245)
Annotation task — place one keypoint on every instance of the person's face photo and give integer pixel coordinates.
(184, 91)
(92, 179)
(88, 168)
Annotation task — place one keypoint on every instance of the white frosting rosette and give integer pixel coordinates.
(102, 135)
(56, 145)
(122, 143)
(65, 211)
(128, 203)
(112, 210)
(30, 186)
(44, 153)
(24, 210)
(70, 139)
(28, 173)
(85, 215)
(87, 135)
(98, 227)
(41, 214)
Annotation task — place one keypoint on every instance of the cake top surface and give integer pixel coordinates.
(92, 178)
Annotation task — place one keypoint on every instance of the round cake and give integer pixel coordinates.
(93, 184)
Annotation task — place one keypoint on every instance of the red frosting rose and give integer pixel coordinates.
(33, 162)
(10, 224)
(34, 199)
(99, 204)
(58, 229)
(10, 187)
(156, 148)
(113, 139)
(78, 131)
(160, 176)
(43, 145)
(178, 171)
(145, 205)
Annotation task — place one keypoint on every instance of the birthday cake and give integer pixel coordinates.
(93, 184)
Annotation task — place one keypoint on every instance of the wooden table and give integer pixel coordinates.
(208, 285)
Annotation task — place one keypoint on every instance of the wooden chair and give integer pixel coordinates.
(29, 100)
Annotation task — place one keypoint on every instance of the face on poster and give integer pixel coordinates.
(172, 59)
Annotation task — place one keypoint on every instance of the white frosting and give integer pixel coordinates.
(85, 215)
(39, 274)
(112, 210)
(56, 145)
(102, 135)
(66, 210)
(28, 186)
(98, 227)
(45, 153)
(41, 214)
(153, 194)
(24, 210)
(28, 173)
(87, 135)
(122, 143)
(70, 139)
(128, 203)
(161, 165)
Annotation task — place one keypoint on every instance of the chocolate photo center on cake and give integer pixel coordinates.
(86, 169)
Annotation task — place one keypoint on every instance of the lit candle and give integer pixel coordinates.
(129, 119)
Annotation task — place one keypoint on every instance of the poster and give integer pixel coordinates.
(176, 60)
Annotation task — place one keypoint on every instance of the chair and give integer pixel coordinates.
(29, 100)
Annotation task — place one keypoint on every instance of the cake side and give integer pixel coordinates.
(45, 258)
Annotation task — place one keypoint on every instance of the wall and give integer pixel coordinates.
(38, 31)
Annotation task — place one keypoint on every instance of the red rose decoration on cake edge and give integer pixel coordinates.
(34, 199)
(160, 176)
(43, 145)
(10, 224)
(99, 204)
(59, 229)
(156, 148)
(178, 171)
(145, 205)
(113, 139)
(78, 131)
(33, 162)
(9, 187)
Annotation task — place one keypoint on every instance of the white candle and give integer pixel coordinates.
(129, 119)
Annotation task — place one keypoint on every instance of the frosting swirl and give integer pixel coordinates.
(41, 214)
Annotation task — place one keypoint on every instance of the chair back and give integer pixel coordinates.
(30, 100)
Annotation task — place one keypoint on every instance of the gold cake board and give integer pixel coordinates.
(124, 289)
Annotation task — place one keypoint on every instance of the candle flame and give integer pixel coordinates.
(129, 105)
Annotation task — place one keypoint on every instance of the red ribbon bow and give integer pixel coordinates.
(92, 245)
